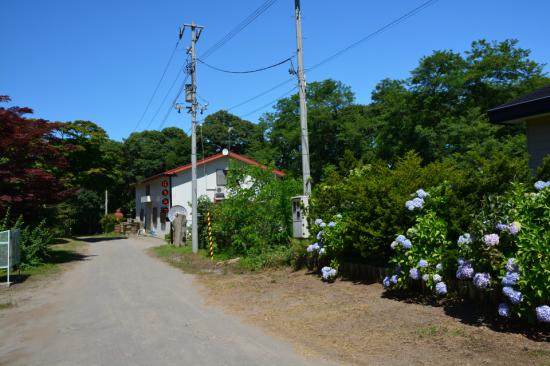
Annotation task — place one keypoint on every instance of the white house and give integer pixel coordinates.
(157, 194)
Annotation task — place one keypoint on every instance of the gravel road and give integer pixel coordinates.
(123, 307)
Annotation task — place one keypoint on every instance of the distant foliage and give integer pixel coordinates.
(108, 223)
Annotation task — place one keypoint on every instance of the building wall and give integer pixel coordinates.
(181, 194)
(538, 140)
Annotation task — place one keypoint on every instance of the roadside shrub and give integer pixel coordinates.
(108, 223)
(255, 219)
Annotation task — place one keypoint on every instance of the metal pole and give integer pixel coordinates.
(303, 105)
(106, 203)
(194, 223)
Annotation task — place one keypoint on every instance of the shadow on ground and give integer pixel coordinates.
(470, 313)
(96, 239)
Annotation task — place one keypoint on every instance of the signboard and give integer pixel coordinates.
(9, 250)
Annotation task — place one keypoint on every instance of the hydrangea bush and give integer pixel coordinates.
(329, 244)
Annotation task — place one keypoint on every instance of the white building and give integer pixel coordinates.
(157, 194)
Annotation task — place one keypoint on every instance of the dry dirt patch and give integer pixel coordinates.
(354, 324)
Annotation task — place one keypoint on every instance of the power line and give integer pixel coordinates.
(158, 85)
(242, 25)
(270, 103)
(172, 105)
(246, 71)
(375, 33)
(260, 94)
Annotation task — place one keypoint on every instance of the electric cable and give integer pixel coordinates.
(237, 29)
(173, 103)
(158, 85)
(260, 94)
(270, 103)
(245, 71)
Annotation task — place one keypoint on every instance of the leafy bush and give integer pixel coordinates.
(254, 220)
(108, 223)
(34, 240)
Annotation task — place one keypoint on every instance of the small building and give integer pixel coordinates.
(534, 110)
(157, 194)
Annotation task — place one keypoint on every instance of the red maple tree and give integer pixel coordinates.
(31, 162)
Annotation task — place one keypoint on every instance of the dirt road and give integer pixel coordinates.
(122, 307)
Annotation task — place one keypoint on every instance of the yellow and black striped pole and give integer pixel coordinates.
(210, 239)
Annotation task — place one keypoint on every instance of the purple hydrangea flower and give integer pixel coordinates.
(393, 279)
(439, 267)
(318, 221)
(501, 227)
(504, 310)
(460, 261)
(386, 282)
(414, 273)
(510, 279)
(514, 228)
(465, 239)
(465, 271)
(491, 240)
(331, 224)
(482, 280)
(425, 277)
(407, 244)
(543, 313)
(511, 265)
(436, 278)
(422, 263)
(514, 296)
(540, 185)
(328, 273)
(415, 203)
(441, 288)
(422, 193)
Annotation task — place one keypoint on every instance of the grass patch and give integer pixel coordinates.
(183, 258)
(437, 331)
(7, 305)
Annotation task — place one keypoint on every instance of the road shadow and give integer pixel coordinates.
(96, 239)
(470, 313)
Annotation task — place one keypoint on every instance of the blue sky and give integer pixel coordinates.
(101, 60)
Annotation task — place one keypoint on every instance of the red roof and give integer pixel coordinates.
(209, 159)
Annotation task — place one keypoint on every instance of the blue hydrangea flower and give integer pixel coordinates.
(465, 270)
(310, 248)
(319, 235)
(441, 288)
(328, 273)
(514, 296)
(415, 203)
(400, 239)
(394, 244)
(540, 185)
(318, 221)
(425, 277)
(436, 278)
(394, 279)
(421, 193)
(439, 267)
(510, 279)
(407, 244)
(504, 310)
(322, 224)
(322, 251)
(491, 240)
(338, 216)
(543, 313)
(422, 263)
(514, 228)
(482, 280)
(414, 273)
(465, 238)
(331, 224)
(386, 282)
(511, 265)
(501, 227)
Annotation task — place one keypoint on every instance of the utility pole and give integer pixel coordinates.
(303, 105)
(191, 97)
(106, 202)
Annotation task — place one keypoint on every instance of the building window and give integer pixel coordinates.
(147, 190)
(155, 216)
(141, 215)
(221, 177)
